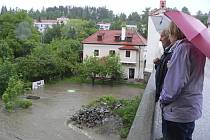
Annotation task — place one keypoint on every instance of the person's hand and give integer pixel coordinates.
(156, 61)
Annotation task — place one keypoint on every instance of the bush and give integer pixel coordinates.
(24, 103)
(124, 132)
(127, 112)
(12, 93)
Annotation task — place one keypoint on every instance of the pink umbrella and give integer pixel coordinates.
(194, 30)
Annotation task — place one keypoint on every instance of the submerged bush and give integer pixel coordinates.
(24, 103)
(11, 95)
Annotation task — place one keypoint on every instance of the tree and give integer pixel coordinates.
(18, 31)
(3, 9)
(90, 68)
(114, 67)
(202, 17)
(133, 18)
(7, 69)
(105, 67)
(143, 24)
(117, 23)
(186, 10)
(78, 28)
(6, 53)
(52, 33)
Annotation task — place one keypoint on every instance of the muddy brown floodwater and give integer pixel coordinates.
(47, 118)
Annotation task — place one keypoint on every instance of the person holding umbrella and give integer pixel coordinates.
(181, 95)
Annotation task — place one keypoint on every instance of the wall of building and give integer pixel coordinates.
(153, 49)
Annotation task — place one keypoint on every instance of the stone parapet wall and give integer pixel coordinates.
(142, 128)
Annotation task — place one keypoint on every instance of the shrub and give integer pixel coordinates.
(12, 93)
(24, 103)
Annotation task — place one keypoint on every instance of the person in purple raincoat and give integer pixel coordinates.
(181, 96)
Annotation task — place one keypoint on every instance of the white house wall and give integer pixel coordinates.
(88, 49)
(131, 59)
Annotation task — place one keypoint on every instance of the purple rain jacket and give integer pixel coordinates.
(181, 96)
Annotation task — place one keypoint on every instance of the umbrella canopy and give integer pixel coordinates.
(194, 30)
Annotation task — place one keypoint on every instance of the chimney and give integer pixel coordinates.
(123, 33)
(162, 4)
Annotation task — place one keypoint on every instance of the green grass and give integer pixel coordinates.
(127, 112)
(136, 85)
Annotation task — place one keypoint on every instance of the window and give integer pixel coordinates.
(96, 52)
(112, 52)
(127, 54)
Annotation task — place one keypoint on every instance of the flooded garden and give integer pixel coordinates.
(48, 117)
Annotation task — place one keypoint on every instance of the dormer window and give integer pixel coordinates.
(117, 38)
(129, 38)
(99, 37)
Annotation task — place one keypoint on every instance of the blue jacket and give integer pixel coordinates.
(181, 95)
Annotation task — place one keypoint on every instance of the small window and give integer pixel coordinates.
(96, 52)
(112, 52)
(127, 54)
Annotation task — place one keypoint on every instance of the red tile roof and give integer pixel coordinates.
(109, 38)
(128, 48)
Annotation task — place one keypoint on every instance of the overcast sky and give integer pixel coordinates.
(117, 6)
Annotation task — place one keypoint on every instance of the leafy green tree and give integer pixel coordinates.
(79, 29)
(90, 68)
(16, 28)
(52, 33)
(185, 10)
(105, 67)
(6, 53)
(50, 61)
(202, 17)
(143, 24)
(117, 23)
(3, 9)
(68, 52)
(114, 67)
(7, 69)
(41, 64)
(133, 18)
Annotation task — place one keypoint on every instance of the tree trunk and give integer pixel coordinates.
(93, 81)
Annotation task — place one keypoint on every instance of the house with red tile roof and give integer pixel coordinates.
(128, 44)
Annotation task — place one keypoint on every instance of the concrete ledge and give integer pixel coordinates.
(142, 127)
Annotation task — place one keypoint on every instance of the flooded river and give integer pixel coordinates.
(47, 118)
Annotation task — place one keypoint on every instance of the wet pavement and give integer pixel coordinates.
(48, 116)
(202, 126)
